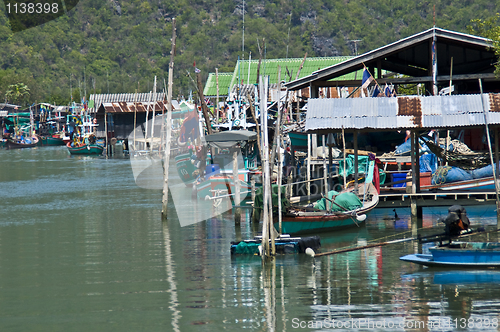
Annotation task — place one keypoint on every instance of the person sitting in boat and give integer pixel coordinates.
(456, 221)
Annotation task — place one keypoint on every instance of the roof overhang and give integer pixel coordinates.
(412, 56)
(407, 112)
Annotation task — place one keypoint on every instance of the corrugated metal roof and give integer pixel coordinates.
(124, 102)
(124, 107)
(269, 67)
(100, 99)
(402, 112)
(210, 89)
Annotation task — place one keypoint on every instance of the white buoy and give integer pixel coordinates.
(310, 252)
(361, 217)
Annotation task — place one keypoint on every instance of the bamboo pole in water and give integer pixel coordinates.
(325, 173)
(343, 152)
(217, 101)
(491, 154)
(166, 160)
(153, 119)
(280, 155)
(237, 190)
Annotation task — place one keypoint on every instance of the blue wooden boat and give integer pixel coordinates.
(460, 254)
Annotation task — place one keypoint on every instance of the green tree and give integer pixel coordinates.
(490, 29)
(17, 92)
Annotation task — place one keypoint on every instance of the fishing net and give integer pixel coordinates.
(460, 156)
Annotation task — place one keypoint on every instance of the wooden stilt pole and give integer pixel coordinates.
(168, 125)
(308, 186)
(217, 101)
(237, 190)
(355, 134)
(325, 173)
(343, 152)
(491, 154)
(265, 168)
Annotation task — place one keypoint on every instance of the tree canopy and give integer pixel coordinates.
(118, 46)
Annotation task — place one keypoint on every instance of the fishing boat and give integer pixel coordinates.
(459, 254)
(85, 146)
(84, 141)
(217, 178)
(186, 169)
(53, 140)
(337, 215)
(20, 142)
(285, 244)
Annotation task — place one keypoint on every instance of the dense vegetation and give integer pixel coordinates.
(119, 46)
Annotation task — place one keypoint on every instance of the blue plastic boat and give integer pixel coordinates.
(460, 254)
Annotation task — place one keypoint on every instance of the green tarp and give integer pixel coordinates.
(362, 162)
(259, 198)
(348, 201)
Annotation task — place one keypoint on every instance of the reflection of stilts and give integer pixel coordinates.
(174, 302)
(268, 278)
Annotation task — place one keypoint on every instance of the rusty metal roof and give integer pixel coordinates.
(130, 107)
(404, 112)
(127, 97)
(131, 102)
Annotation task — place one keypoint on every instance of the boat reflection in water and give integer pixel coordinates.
(457, 277)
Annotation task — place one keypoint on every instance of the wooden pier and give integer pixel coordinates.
(427, 199)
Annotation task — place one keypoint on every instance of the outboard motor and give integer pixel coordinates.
(456, 221)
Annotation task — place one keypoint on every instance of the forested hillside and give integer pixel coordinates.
(119, 46)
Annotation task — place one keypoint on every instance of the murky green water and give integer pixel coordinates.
(82, 248)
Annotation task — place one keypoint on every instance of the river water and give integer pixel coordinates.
(82, 248)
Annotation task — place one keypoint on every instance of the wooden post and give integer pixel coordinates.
(106, 131)
(153, 119)
(417, 163)
(237, 190)
(413, 200)
(496, 150)
(217, 102)
(325, 173)
(343, 152)
(414, 170)
(168, 125)
(280, 179)
(298, 106)
(355, 134)
(491, 154)
(308, 186)
(329, 142)
(255, 211)
(265, 169)
(301, 65)
(314, 145)
(277, 126)
(204, 106)
(135, 117)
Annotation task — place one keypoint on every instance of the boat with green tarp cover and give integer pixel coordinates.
(284, 245)
(335, 210)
